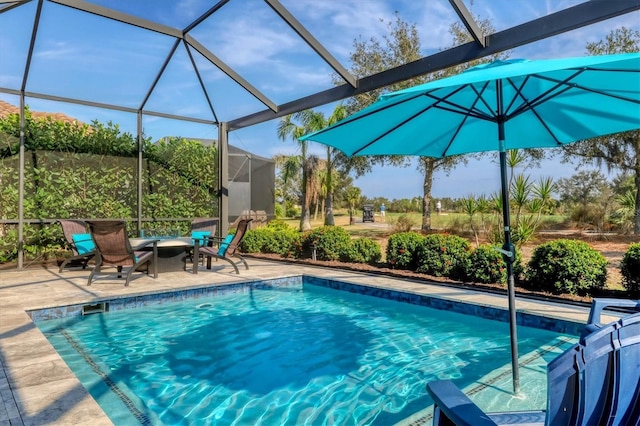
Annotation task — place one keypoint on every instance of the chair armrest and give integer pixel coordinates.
(451, 405)
(599, 304)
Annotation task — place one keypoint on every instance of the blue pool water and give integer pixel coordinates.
(277, 356)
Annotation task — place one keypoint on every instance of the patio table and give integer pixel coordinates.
(172, 252)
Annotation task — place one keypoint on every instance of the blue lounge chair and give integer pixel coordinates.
(596, 382)
(113, 249)
(79, 242)
(227, 249)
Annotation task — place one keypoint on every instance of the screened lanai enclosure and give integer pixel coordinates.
(112, 96)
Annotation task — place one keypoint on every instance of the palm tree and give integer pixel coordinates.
(353, 196)
(314, 121)
(311, 121)
(288, 128)
(338, 114)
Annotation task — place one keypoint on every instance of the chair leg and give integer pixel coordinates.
(63, 264)
(93, 273)
(129, 272)
(246, 265)
(232, 264)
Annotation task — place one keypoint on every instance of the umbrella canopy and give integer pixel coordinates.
(545, 103)
(498, 106)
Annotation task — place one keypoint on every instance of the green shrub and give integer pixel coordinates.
(486, 265)
(277, 237)
(566, 266)
(279, 224)
(330, 242)
(362, 250)
(443, 256)
(291, 210)
(404, 223)
(630, 269)
(401, 250)
(279, 210)
(254, 240)
(281, 241)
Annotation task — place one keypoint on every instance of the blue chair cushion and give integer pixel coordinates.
(201, 236)
(224, 245)
(83, 242)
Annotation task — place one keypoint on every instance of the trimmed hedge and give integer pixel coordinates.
(362, 250)
(486, 265)
(567, 266)
(330, 243)
(277, 237)
(401, 250)
(630, 269)
(443, 255)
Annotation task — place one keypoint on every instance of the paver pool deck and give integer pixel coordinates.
(37, 387)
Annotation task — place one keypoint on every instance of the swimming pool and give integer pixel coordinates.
(292, 351)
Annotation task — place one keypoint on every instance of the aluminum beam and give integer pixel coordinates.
(11, 4)
(37, 95)
(565, 20)
(230, 72)
(205, 15)
(312, 42)
(467, 19)
(105, 12)
(160, 72)
(202, 85)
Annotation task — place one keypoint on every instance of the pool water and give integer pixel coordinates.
(310, 355)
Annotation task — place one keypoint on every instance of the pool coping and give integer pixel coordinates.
(36, 385)
(133, 301)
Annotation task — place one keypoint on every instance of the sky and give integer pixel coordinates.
(87, 57)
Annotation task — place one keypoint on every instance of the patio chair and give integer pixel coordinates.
(596, 382)
(113, 249)
(202, 228)
(226, 250)
(79, 241)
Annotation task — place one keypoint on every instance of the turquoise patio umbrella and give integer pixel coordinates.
(498, 106)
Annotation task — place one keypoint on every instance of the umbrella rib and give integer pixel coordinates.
(466, 116)
(459, 109)
(517, 95)
(352, 119)
(391, 130)
(543, 97)
(484, 101)
(433, 105)
(531, 105)
(588, 89)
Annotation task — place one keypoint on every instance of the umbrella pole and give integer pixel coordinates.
(509, 256)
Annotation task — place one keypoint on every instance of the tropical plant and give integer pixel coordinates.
(293, 127)
(470, 207)
(352, 196)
